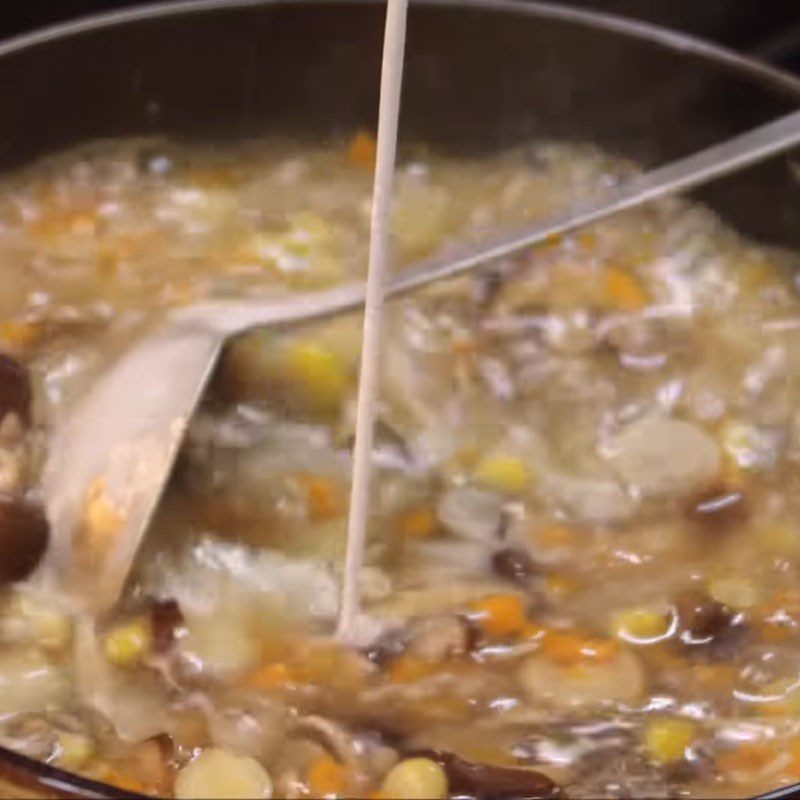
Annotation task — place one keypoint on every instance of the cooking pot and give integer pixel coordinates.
(480, 75)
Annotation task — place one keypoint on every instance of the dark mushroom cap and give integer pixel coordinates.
(24, 533)
(15, 389)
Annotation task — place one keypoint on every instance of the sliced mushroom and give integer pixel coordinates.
(592, 683)
(719, 508)
(438, 638)
(658, 456)
(15, 389)
(589, 499)
(471, 513)
(24, 533)
(514, 564)
(490, 782)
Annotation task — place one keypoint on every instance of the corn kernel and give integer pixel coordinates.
(667, 740)
(74, 750)
(640, 625)
(505, 474)
(101, 519)
(415, 779)
(127, 644)
(219, 773)
(320, 373)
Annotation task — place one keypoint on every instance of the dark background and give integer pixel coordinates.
(769, 28)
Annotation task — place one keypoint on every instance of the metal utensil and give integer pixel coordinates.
(120, 442)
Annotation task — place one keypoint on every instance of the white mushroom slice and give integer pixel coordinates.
(620, 680)
(471, 513)
(658, 456)
(588, 499)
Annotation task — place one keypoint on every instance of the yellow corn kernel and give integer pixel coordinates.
(738, 593)
(102, 520)
(126, 644)
(362, 150)
(417, 523)
(505, 474)
(624, 291)
(320, 373)
(739, 442)
(74, 750)
(667, 740)
(219, 773)
(415, 779)
(640, 625)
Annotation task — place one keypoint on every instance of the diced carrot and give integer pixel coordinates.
(747, 758)
(794, 767)
(500, 615)
(463, 346)
(623, 290)
(554, 536)
(362, 151)
(327, 777)
(128, 783)
(23, 334)
(273, 675)
(408, 669)
(563, 647)
(322, 496)
(569, 648)
(417, 523)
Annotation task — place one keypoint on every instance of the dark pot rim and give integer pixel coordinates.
(35, 776)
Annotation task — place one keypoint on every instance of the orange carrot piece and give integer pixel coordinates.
(624, 291)
(500, 615)
(417, 523)
(327, 777)
(363, 150)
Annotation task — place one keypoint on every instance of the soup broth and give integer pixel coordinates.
(583, 552)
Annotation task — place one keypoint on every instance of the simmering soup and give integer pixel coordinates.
(584, 543)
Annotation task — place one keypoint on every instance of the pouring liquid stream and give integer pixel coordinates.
(379, 256)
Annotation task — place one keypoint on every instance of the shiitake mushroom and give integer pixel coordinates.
(718, 508)
(490, 782)
(15, 389)
(24, 533)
